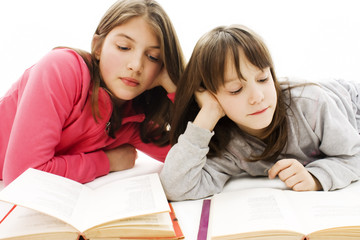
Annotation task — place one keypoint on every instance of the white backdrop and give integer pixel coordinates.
(307, 38)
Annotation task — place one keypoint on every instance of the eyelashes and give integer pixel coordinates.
(151, 57)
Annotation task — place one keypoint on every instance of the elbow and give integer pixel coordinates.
(179, 190)
(173, 189)
(8, 177)
(175, 195)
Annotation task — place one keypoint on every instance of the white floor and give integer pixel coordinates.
(312, 39)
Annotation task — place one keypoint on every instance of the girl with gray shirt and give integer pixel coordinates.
(233, 116)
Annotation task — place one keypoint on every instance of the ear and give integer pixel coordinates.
(96, 46)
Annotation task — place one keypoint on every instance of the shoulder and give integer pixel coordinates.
(63, 65)
(300, 88)
(61, 71)
(325, 91)
(305, 93)
(319, 100)
(306, 101)
(64, 58)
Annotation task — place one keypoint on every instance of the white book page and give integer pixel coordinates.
(23, 221)
(44, 192)
(143, 165)
(322, 210)
(121, 199)
(250, 210)
(81, 206)
(4, 209)
(154, 220)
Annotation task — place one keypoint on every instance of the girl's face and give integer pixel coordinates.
(249, 102)
(129, 59)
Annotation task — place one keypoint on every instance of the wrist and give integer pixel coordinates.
(170, 87)
(318, 186)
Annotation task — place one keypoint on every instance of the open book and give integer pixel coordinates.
(267, 214)
(41, 205)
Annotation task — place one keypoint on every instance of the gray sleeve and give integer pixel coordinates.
(339, 143)
(187, 173)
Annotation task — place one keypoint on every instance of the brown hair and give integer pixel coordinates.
(206, 68)
(154, 102)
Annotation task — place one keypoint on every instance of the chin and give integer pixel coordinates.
(126, 97)
(261, 126)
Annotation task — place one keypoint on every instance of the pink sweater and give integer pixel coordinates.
(46, 123)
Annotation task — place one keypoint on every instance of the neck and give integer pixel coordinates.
(117, 101)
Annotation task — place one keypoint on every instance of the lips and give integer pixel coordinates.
(130, 81)
(259, 112)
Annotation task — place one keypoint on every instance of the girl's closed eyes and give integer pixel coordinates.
(114, 100)
(246, 121)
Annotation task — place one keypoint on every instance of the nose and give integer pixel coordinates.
(135, 62)
(256, 95)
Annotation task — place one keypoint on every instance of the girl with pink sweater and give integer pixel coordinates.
(81, 115)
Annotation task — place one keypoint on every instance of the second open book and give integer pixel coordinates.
(268, 214)
(59, 208)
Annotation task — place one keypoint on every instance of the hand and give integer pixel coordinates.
(163, 79)
(208, 101)
(210, 110)
(122, 157)
(294, 175)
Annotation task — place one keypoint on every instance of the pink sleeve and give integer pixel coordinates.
(171, 96)
(54, 84)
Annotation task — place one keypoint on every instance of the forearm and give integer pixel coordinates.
(207, 118)
(185, 174)
(335, 173)
(79, 167)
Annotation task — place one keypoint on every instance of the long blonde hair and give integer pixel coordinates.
(206, 69)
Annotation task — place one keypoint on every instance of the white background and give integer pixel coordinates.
(308, 38)
(314, 39)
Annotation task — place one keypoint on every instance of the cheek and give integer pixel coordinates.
(232, 107)
(151, 73)
(109, 62)
(272, 94)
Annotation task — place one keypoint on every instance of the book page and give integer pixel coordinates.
(44, 192)
(151, 223)
(143, 165)
(83, 207)
(4, 209)
(250, 210)
(322, 210)
(23, 221)
(136, 196)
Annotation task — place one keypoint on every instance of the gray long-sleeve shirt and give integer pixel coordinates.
(323, 135)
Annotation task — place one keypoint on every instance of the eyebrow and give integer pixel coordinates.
(133, 40)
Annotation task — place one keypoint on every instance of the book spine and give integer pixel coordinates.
(204, 220)
(178, 233)
(7, 214)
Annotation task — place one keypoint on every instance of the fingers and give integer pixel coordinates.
(279, 166)
(122, 157)
(202, 96)
(294, 175)
(164, 80)
(206, 99)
